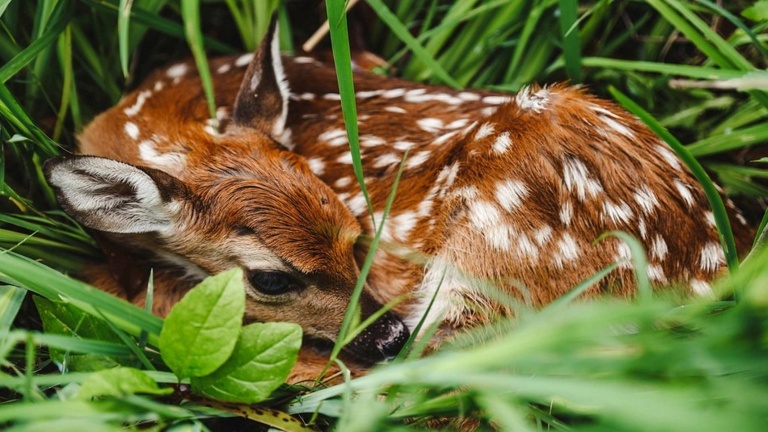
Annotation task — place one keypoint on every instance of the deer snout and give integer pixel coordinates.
(382, 340)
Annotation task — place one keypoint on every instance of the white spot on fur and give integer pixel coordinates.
(578, 180)
(502, 143)
(173, 161)
(317, 165)
(567, 251)
(365, 94)
(448, 175)
(343, 182)
(623, 255)
(617, 213)
(488, 111)
(393, 93)
(403, 145)
(303, 60)
(659, 248)
(485, 130)
(159, 85)
(641, 228)
(431, 125)
(709, 217)
(357, 205)
(600, 110)
(417, 159)
(669, 156)
(415, 92)
(496, 100)
(286, 139)
(136, 107)
(656, 273)
(542, 235)
(244, 60)
(332, 134)
(395, 109)
(332, 96)
(387, 159)
(177, 70)
(510, 194)
(566, 213)
(212, 127)
(483, 214)
(345, 158)
(372, 140)
(646, 199)
(468, 96)
(402, 224)
(618, 127)
(711, 257)
(132, 130)
(442, 139)
(306, 96)
(685, 193)
(226, 67)
(535, 102)
(701, 288)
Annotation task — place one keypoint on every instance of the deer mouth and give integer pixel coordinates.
(380, 341)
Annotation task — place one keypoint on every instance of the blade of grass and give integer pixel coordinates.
(25, 273)
(60, 17)
(190, 12)
(123, 22)
(569, 31)
(337, 20)
(397, 27)
(10, 303)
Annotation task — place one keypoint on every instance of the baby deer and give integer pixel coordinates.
(509, 191)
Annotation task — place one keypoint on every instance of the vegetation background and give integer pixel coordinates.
(652, 363)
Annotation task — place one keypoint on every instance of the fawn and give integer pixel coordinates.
(497, 189)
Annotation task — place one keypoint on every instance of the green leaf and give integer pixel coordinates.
(66, 319)
(263, 357)
(757, 12)
(201, 330)
(120, 381)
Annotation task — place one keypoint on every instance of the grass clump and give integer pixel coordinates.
(652, 363)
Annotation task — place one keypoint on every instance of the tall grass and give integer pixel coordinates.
(613, 365)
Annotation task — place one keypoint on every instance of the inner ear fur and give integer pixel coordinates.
(113, 196)
(262, 101)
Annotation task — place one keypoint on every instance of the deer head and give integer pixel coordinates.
(236, 199)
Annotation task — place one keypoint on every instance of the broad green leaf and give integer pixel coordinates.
(263, 357)
(202, 329)
(757, 12)
(66, 319)
(120, 381)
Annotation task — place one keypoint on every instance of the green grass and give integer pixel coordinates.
(645, 364)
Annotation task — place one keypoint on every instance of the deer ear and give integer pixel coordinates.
(113, 196)
(262, 102)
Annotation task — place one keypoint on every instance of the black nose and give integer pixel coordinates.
(382, 340)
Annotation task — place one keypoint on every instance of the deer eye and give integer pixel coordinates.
(272, 282)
